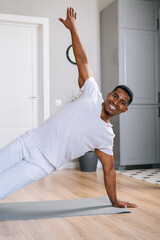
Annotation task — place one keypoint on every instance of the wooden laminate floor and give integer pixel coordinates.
(142, 223)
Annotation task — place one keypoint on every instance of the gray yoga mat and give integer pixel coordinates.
(58, 208)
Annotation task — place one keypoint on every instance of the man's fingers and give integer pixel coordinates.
(68, 13)
(61, 19)
(73, 12)
(131, 205)
(125, 204)
(120, 204)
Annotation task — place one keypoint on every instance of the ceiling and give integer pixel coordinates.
(104, 3)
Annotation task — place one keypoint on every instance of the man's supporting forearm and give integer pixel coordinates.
(110, 184)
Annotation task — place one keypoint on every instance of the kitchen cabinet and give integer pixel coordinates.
(130, 55)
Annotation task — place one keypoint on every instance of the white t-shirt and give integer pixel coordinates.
(76, 129)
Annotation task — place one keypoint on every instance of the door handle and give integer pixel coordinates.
(159, 112)
(35, 97)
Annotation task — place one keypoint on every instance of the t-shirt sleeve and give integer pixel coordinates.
(107, 151)
(108, 147)
(89, 86)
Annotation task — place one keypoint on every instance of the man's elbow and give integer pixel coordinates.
(108, 169)
(82, 60)
(109, 173)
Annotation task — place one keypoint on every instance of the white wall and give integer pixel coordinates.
(63, 74)
(104, 3)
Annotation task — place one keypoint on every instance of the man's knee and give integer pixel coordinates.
(2, 195)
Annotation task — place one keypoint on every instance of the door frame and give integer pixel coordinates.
(43, 29)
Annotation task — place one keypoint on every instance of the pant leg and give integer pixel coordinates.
(32, 167)
(33, 153)
(19, 176)
(11, 155)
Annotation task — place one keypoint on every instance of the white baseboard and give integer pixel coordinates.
(75, 165)
(71, 165)
(99, 165)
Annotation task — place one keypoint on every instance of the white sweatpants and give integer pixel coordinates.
(21, 162)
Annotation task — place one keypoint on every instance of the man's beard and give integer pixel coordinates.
(107, 112)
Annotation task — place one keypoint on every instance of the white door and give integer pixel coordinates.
(18, 80)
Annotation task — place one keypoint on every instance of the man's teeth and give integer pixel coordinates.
(112, 108)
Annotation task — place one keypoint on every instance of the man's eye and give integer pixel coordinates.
(123, 103)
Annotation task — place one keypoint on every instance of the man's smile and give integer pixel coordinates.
(112, 108)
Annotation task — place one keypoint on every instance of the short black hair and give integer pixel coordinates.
(127, 90)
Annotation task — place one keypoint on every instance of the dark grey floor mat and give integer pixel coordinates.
(58, 208)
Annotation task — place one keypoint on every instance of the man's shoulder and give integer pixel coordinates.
(90, 86)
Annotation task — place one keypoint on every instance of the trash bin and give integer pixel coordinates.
(88, 162)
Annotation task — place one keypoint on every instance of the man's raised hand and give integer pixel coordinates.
(70, 21)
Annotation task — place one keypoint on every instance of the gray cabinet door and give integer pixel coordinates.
(139, 67)
(139, 135)
(135, 14)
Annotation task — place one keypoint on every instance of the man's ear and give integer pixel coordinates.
(125, 110)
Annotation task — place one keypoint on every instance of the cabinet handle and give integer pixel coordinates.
(158, 97)
(158, 112)
(157, 24)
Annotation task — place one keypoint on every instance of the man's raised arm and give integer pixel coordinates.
(79, 52)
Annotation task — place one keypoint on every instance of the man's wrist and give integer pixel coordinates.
(115, 202)
(73, 29)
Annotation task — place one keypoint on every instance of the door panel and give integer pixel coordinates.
(139, 64)
(18, 80)
(140, 135)
(137, 14)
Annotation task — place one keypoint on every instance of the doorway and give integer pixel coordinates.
(24, 75)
